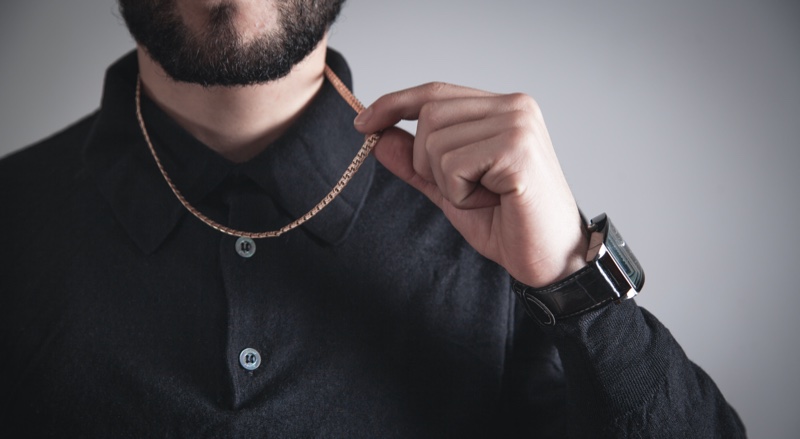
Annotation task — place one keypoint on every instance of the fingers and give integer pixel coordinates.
(470, 145)
(479, 174)
(455, 157)
(407, 104)
(447, 124)
(395, 151)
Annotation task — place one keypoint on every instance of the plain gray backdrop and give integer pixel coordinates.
(680, 119)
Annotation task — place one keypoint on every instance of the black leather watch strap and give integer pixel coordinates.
(576, 294)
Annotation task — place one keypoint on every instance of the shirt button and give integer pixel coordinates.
(246, 247)
(250, 359)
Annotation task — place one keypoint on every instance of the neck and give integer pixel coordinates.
(236, 122)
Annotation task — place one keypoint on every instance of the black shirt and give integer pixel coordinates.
(121, 315)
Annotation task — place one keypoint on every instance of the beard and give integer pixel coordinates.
(218, 55)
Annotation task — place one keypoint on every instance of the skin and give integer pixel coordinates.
(485, 159)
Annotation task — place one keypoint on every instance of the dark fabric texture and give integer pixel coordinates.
(121, 315)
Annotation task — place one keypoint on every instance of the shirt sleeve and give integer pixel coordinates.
(615, 372)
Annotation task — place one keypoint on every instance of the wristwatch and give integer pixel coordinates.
(612, 274)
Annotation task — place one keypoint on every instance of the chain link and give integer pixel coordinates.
(348, 174)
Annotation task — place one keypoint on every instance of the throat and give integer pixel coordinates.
(237, 137)
(236, 122)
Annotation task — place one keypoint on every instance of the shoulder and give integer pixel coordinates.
(43, 162)
(44, 180)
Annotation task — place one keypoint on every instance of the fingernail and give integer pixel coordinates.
(363, 117)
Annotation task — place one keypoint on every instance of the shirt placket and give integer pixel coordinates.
(246, 278)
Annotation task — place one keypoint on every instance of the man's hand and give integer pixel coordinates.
(487, 161)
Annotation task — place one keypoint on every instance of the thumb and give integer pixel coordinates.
(395, 151)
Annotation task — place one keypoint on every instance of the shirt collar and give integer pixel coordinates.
(296, 171)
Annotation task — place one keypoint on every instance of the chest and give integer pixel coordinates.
(256, 333)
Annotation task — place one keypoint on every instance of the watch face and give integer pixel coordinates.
(624, 258)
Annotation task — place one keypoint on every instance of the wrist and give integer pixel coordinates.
(556, 268)
(611, 274)
(544, 276)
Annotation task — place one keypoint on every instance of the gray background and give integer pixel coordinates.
(680, 119)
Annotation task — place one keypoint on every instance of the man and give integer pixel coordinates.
(389, 313)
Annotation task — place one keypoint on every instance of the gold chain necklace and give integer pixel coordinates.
(358, 160)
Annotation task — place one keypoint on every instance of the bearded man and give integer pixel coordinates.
(140, 299)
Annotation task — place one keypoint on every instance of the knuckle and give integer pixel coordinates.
(389, 98)
(453, 184)
(432, 141)
(436, 88)
(524, 102)
(387, 101)
(448, 164)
